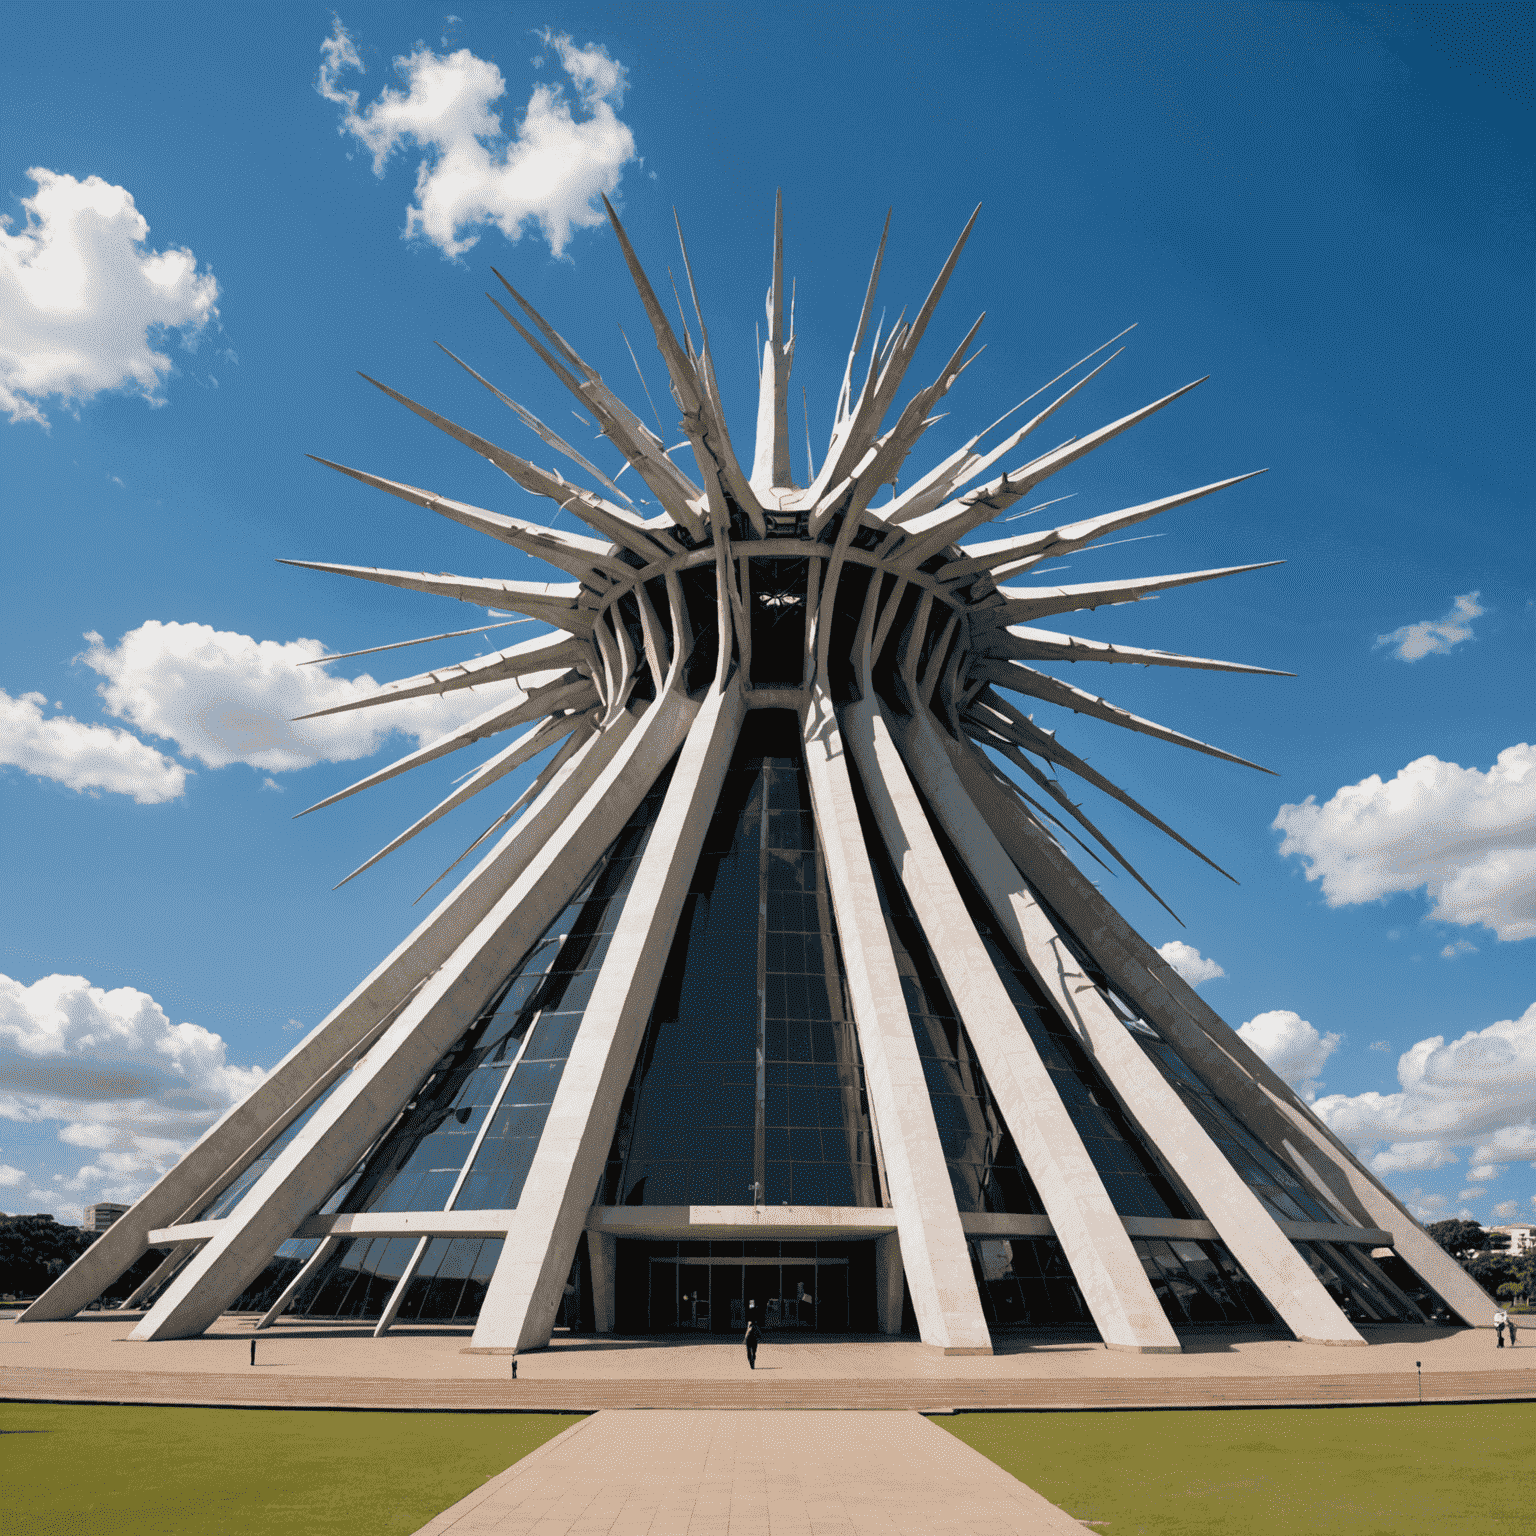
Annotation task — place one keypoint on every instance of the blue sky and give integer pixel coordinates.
(1327, 208)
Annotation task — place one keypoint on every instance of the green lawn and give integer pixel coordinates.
(1410, 1471)
(101, 1471)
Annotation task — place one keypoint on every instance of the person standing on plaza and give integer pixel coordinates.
(753, 1336)
(1509, 1322)
(1499, 1319)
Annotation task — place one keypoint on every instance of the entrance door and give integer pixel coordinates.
(693, 1300)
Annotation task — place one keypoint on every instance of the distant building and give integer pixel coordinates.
(1521, 1235)
(100, 1216)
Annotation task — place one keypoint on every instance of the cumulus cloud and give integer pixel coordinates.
(82, 756)
(1190, 963)
(84, 301)
(1435, 637)
(1477, 1092)
(1467, 837)
(1458, 949)
(549, 172)
(225, 698)
(11, 1177)
(1291, 1046)
(127, 1087)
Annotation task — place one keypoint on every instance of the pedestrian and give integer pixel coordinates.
(1499, 1319)
(751, 1341)
(253, 1351)
(1509, 1322)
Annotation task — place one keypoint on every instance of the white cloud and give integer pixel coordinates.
(85, 302)
(1290, 1045)
(1467, 837)
(11, 1177)
(1431, 637)
(1459, 948)
(1380, 1045)
(1190, 963)
(127, 1086)
(1486, 1171)
(1478, 1091)
(1507, 1210)
(226, 698)
(550, 172)
(1475, 1193)
(81, 756)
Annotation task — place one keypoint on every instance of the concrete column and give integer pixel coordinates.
(523, 1299)
(1242, 1221)
(311, 1166)
(293, 1085)
(392, 1306)
(889, 1280)
(306, 1269)
(1261, 1099)
(933, 1248)
(167, 1266)
(602, 1254)
(1090, 1231)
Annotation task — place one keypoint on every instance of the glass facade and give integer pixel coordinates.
(1363, 1289)
(1282, 1193)
(1136, 1182)
(716, 1286)
(1026, 1282)
(750, 1073)
(1199, 1282)
(985, 1168)
(467, 1140)
(233, 1192)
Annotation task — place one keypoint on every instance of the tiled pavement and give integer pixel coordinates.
(678, 1473)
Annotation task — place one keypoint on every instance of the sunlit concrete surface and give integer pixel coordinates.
(790, 1474)
(98, 1341)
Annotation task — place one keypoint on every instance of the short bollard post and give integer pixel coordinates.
(514, 1368)
(1418, 1365)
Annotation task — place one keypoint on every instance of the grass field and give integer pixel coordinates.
(101, 1471)
(1409, 1471)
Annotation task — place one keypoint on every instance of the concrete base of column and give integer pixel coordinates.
(602, 1252)
(890, 1283)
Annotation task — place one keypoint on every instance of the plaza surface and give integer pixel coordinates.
(303, 1364)
(789, 1474)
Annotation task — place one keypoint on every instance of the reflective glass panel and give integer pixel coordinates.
(1026, 1282)
(233, 1192)
(1199, 1282)
(984, 1165)
(750, 1069)
(1136, 1182)
(490, 1093)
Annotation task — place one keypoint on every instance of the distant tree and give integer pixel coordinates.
(1492, 1270)
(35, 1251)
(1458, 1237)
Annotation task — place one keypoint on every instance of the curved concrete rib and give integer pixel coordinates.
(340, 1132)
(249, 1127)
(1091, 1233)
(524, 1295)
(1263, 1102)
(933, 1246)
(1240, 1218)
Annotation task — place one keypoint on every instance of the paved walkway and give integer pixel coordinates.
(88, 1359)
(752, 1474)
